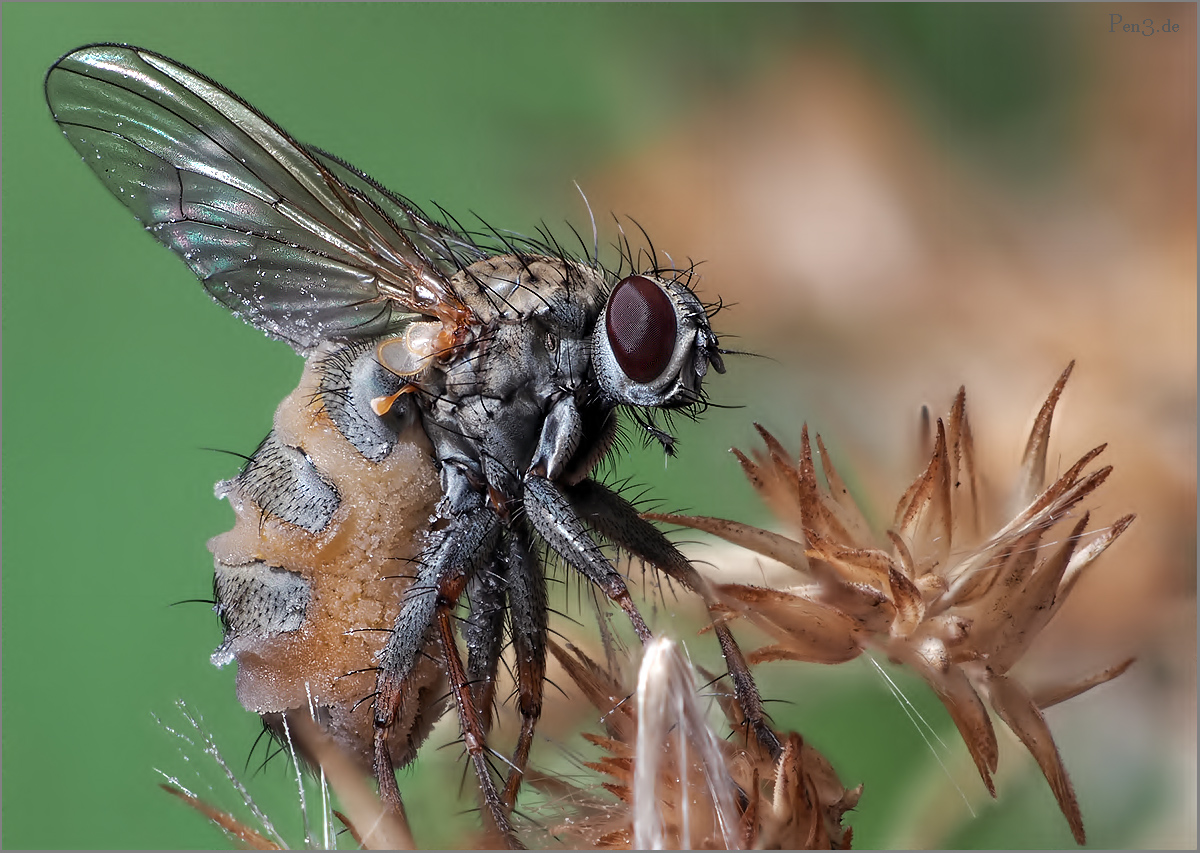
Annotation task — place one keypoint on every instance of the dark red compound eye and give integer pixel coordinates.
(641, 327)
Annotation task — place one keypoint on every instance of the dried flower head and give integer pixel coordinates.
(956, 596)
(674, 783)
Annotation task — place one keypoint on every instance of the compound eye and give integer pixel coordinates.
(641, 326)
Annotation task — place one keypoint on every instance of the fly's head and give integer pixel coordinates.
(653, 346)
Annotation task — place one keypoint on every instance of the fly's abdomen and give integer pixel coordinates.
(332, 508)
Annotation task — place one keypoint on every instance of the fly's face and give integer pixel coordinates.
(653, 345)
(483, 380)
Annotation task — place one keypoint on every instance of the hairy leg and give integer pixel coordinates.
(470, 721)
(618, 521)
(483, 631)
(466, 545)
(556, 521)
(528, 619)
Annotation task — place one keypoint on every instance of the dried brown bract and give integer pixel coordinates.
(955, 595)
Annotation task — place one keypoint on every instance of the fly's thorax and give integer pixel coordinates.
(486, 401)
(652, 344)
(565, 294)
(551, 300)
(330, 510)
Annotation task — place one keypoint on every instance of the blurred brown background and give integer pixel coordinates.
(883, 254)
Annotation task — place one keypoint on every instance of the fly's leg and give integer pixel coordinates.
(617, 520)
(470, 720)
(553, 517)
(466, 544)
(518, 578)
(482, 631)
(746, 691)
(556, 521)
(528, 611)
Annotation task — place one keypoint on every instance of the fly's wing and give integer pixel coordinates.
(293, 241)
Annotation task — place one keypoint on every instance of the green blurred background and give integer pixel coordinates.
(121, 371)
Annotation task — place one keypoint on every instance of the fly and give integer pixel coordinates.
(478, 384)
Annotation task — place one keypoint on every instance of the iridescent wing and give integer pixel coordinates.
(294, 241)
